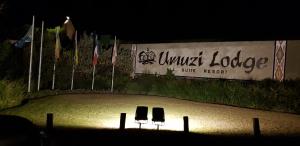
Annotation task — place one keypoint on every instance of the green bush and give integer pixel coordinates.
(11, 64)
(5, 52)
(266, 94)
(11, 93)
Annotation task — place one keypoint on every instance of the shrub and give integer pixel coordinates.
(11, 64)
(267, 94)
(11, 93)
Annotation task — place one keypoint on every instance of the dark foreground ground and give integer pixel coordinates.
(16, 131)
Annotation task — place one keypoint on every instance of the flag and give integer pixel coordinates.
(95, 56)
(25, 39)
(69, 28)
(114, 54)
(57, 45)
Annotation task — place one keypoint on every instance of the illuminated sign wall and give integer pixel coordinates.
(228, 60)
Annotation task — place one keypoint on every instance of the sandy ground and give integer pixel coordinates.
(103, 111)
(203, 118)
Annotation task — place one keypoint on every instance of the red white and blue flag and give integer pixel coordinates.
(96, 55)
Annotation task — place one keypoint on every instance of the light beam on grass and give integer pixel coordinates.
(173, 122)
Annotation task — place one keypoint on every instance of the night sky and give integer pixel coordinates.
(149, 20)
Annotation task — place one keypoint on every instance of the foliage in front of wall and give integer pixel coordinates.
(266, 94)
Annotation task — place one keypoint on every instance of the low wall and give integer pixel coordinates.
(292, 69)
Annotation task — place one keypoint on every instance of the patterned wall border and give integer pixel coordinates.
(279, 60)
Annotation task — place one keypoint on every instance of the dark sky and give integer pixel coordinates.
(166, 20)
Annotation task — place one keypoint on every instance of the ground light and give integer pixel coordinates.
(173, 122)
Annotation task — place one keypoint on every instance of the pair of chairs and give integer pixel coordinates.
(158, 115)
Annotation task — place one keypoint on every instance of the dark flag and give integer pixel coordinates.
(69, 28)
(25, 39)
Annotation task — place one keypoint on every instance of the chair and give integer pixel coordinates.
(141, 115)
(158, 116)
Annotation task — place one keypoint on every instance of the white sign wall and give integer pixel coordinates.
(228, 60)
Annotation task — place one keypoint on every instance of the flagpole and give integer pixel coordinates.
(114, 54)
(41, 52)
(30, 62)
(53, 77)
(95, 57)
(72, 82)
(54, 65)
(94, 66)
(112, 79)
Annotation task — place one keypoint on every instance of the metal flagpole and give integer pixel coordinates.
(53, 78)
(41, 52)
(72, 76)
(31, 48)
(95, 61)
(72, 82)
(93, 77)
(112, 79)
(114, 54)
(54, 65)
